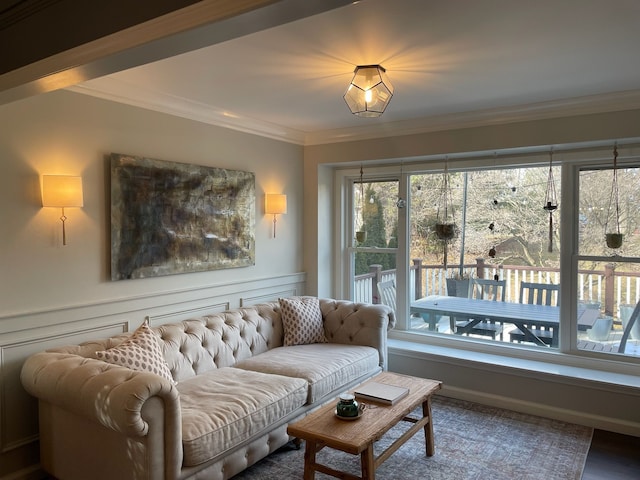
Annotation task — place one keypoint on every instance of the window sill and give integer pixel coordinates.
(556, 366)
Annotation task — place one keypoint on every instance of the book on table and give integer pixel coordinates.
(381, 392)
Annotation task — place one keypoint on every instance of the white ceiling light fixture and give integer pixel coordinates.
(369, 92)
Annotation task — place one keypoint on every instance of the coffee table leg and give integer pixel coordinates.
(368, 464)
(428, 428)
(310, 460)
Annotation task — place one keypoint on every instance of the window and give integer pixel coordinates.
(497, 245)
(375, 240)
(608, 279)
(558, 287)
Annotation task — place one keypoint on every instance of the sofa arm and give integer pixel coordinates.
(110, 395)
(358, 324)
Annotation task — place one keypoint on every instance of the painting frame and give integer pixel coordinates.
(170, 218)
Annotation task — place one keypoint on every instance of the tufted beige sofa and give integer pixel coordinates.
(237, 387)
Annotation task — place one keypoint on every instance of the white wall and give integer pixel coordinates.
(52, 294)
(68, 133)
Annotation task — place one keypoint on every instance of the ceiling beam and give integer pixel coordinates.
(198, 25)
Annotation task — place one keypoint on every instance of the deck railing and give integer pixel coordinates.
(607, 288)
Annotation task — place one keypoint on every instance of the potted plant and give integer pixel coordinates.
(458, 286)
(445, 231)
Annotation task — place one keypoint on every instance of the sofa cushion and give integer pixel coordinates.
(222, 408)
(326, 366)
(141, 351)
(302, 321)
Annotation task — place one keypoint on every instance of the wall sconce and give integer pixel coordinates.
(369, 92)
(275, 204)
(62, 191)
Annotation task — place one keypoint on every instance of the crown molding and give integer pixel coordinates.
(123, 92)
(593, 104)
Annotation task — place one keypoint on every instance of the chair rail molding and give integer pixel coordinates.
(25, 333)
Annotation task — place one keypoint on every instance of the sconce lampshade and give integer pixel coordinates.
(275, 203)
(369, 92)
(61, 191)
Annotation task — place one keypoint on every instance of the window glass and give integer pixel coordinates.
(501, 225)
(601, 213)
(610, 287)
(486, 225)
(375, 239)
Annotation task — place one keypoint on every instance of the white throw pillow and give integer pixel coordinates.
(302, 321)
(141, 352)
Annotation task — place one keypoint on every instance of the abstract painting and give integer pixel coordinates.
(169, 218)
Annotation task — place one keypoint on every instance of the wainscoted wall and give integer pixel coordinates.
(37, 331)
(52, 295)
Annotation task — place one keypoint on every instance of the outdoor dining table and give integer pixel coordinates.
(523, 315)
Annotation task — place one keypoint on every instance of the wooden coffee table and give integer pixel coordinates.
(323, 429)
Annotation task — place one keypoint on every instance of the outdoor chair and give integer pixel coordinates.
(613, 348)
(481, 289)
(536, 294)
(387, 291)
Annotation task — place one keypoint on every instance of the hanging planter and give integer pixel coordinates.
(614, 238)
(361, 235)
(445, 231)
(550, 200)
(445, 228)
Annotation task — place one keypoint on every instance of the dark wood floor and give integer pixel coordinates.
(612, 457)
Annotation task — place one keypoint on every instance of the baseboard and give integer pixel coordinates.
(547, 411)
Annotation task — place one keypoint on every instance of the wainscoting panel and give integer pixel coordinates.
(26, 333)
(17, 419)
(180, 315)
(269, 297)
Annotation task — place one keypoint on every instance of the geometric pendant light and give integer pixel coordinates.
(369, 92)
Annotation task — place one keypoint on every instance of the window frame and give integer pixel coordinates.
(572, 160)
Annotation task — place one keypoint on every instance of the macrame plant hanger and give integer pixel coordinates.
(361, 235)
(551, 200)
(445, 227)
(614, 239)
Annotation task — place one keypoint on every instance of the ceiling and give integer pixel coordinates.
(453, 64)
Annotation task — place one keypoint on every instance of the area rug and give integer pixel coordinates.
(473, 442)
